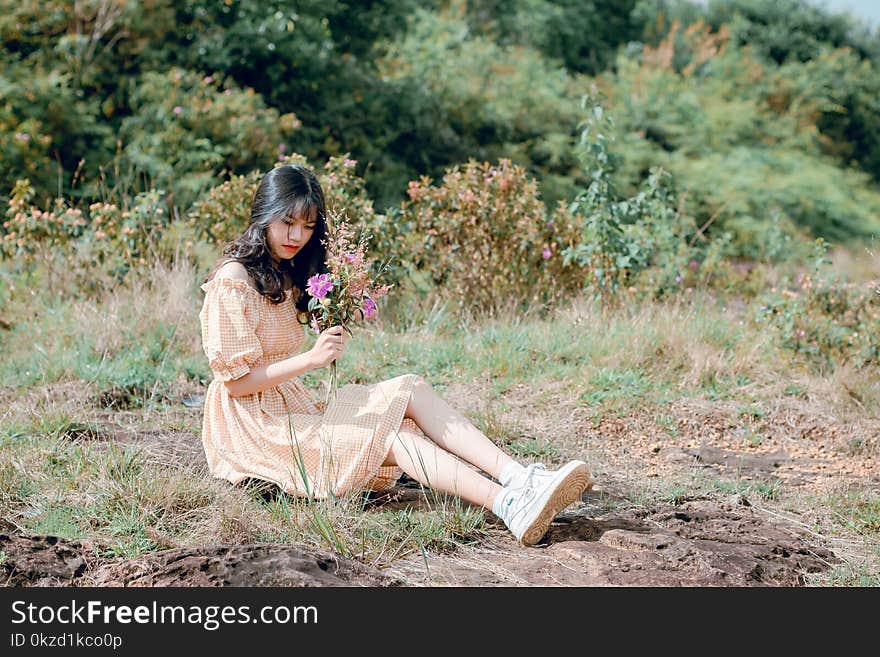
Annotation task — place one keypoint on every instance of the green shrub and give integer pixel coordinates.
(489, 101)
(482, 236)
(741, 138)
(187, 129)
(27, 227)
(642, 243)
(824, 317)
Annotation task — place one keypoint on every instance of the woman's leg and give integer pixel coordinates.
(439, 470)
(453, 431)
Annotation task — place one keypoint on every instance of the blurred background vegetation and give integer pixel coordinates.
(518, 152)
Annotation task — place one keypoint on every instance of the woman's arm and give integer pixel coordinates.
(263, 377)
(329, 346)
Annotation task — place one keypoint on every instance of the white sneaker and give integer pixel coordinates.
(537, 474)
(531, 501)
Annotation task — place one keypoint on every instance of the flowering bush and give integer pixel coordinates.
(223, 212)
(825, 318)
(116, 237)
(483, 235)
(27, 227)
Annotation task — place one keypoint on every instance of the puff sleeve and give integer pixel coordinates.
(228, 321)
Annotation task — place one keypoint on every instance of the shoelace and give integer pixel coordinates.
(530, 473)
(527, 490)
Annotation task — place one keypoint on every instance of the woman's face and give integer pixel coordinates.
(287, 237)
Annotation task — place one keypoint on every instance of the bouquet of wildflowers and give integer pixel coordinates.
(349, 288)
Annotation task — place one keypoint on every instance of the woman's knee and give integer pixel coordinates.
(420, 390)
(420, 383)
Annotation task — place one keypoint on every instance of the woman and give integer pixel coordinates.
(260, 421)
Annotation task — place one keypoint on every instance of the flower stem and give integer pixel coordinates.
(332, 384)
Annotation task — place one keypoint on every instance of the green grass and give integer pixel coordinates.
(763, 490)
(858, 510)
(852, 575)
(119, 496)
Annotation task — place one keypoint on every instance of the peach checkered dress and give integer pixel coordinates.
(281, 434)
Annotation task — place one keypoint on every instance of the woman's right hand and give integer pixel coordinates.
(329, 346)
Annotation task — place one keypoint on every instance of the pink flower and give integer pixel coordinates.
(349, 163)
(693, 264)
(369, 308)
(208, 79)
(282, 148)
(178, 109)
(350, 257)
(546, 253)
(319, 285)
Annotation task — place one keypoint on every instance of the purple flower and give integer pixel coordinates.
(350, 257)
(546, 253)
(369, 308)
(282, 148)
(319, 285)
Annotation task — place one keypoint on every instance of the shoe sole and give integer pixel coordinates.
(573, 480)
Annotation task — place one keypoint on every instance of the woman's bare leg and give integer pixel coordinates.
(439, 470)
(453, 431)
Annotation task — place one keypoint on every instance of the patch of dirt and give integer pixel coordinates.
(45, 560)
(180, 449)
(51, 561)
(811, 452)
(698, 543)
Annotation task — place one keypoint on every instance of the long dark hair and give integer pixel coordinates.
(290, 190)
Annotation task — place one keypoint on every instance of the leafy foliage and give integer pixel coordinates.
(187, 128)
(641, 242)
(482, 236)
(583, 35)
(825, 318)
(740, 137)
(491, 101)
